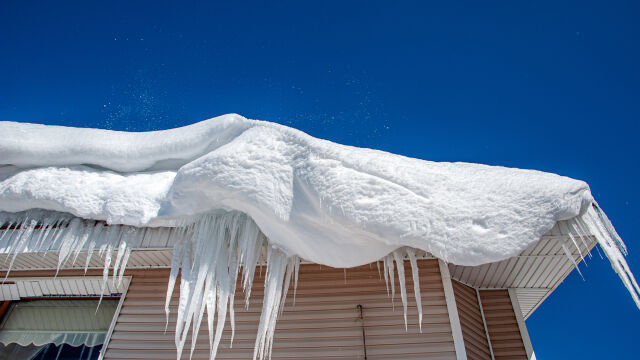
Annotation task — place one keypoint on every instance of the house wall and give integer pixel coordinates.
(502, 326)
(324, 323)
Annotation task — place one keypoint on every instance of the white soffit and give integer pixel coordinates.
(534, 274)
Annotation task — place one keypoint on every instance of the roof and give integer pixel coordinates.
(534, 274)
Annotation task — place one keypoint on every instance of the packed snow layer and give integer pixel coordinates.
(328, 203)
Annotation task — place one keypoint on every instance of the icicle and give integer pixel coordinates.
(211, 310)
(416, 283)
(291, 265)
(86, 235)
(390, 269)
(185, 289)
(68, 241)
(295, 279)
(386, 273)
(249, 250)
(574, 232)
(569, 255)
(105, 272)
(21, 241)
(609, 240)
(47, 223)
(134, 243)
(223, 301)
(122, 248)
(401, 281)
(232, 317)
(178, 250)
(222, 244)
(564, 227)
(235, 259)
(610, 230)
(10, 228)
(575, 244)
(274, 295)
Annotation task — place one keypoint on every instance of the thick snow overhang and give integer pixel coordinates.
(328, 203)
(228, 193)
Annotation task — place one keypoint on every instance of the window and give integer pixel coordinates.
(58, 318)
(55, 329)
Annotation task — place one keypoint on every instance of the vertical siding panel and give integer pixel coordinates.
(502, 325)
(473, 332)
(324, 323)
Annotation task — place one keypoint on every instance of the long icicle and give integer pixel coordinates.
(416, 283)
(397, 256)
(610, 242)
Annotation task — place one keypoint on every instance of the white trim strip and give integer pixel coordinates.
(454, 319)
(63, 286)
(521, 325)
(126, 281)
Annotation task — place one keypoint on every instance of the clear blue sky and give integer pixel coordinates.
(538, 84)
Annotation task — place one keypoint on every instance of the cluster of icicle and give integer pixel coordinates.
(38, 231)
(594, 224)
(212, 254)
(209, 255)
(220, 250)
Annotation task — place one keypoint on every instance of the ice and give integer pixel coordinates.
(216, 251)
(401, 281)
(210, 252)
(609, 240)
(416, 283)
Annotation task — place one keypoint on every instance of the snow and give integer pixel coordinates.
(327, 203)
(232, 192)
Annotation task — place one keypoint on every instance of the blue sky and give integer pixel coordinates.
(547, 85)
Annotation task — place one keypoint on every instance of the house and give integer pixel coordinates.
(129, 259)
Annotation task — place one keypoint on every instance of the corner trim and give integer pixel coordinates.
(521, 325)
(116, 315)
(454, 318)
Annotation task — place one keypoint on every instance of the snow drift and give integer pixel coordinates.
(328, 203)
(233, 188)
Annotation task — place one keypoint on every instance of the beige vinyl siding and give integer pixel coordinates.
(502, 325)
(473, 331)
(324, 323)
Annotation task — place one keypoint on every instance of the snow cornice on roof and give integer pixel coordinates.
(231, 187)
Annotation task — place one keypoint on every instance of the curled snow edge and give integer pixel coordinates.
(228, 187)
